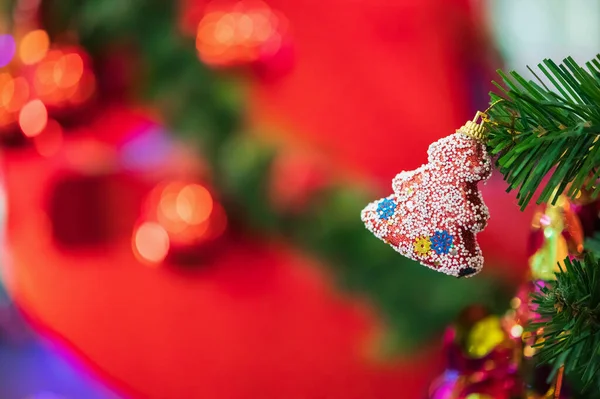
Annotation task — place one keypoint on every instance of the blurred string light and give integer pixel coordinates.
(187, 214)
(241, 33)
(61, 78)
(41, 79)
(51, 79)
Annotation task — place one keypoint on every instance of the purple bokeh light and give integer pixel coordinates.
(7, 49)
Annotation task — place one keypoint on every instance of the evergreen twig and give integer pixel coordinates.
(548, 139)
(569, 310)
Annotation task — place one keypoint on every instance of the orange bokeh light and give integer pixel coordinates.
(14, 93)
(33, 118)
(6, 89)
(63, 77)
(185, 210)
(68, 70)
(240, 35)
(44, 82)
(167, 206)
(183, 205)
(34, 46)
(151, 243)
(5, 118)
(194, 204)
(50, 140)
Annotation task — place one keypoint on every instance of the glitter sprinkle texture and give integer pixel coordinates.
(436, 210)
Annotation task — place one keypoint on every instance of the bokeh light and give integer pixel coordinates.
(5, 79)
(516, 331)
(49, 141)
(68, 70)
(194, 204)
(62, 77)
(151, 243)
(7, 49)
(14, 93)
(33, 118)
(34, 46)
(5, 117)
(183, 209)
(240, 34)
(187, 211)
(44, 73)
(166, 211)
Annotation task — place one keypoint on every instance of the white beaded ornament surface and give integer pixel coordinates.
(436, 210)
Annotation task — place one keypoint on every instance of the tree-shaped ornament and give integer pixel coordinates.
(436, 210)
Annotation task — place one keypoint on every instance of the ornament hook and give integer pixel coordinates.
(478, 131)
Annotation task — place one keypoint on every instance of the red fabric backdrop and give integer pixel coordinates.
(373, 84)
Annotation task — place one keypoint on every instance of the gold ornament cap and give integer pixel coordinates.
(475, 130)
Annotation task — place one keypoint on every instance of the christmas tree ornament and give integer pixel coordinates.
(485, 336)
(436, 211)
(587, 208)
(556, 234)
(482, 354)
(482, 362)
(446, 386)
(589, 216)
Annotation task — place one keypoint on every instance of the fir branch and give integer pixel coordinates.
(548, 139)
(569, 310)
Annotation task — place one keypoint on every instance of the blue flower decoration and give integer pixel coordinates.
(441, 242)
(386, 208)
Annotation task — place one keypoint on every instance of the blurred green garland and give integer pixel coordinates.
(204, 106)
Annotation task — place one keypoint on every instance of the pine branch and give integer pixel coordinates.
(569, 308)
(548, 139)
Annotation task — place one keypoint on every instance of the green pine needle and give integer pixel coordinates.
(546, 140)
(569, 310)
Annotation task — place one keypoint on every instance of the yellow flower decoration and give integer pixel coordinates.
(422, 245)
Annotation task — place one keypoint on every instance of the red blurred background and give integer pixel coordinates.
(366, 86)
